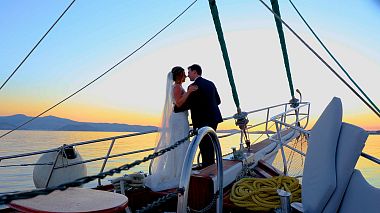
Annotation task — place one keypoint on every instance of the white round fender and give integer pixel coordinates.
(65, 174)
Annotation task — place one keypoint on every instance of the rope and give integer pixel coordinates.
(246, 171)
(291, 154)
(321, 59)
(301, 139)
(4, 199)
(114, 66)
(223, 47)
(35, 46)
(260, 194)
(280, 31)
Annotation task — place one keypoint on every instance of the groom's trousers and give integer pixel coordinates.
(207, 149)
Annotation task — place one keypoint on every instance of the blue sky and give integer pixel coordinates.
(94, 35)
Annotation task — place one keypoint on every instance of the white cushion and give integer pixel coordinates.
(360, 196)
(319, 179)
(350, 144)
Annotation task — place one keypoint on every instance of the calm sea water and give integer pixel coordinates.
(20, 178)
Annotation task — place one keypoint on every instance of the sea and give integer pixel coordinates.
(19, 178)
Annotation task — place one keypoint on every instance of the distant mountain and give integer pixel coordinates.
(52, 123)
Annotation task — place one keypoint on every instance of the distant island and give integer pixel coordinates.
(52, 123)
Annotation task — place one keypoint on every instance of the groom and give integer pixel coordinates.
(203, 104)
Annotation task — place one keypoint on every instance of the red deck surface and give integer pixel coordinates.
(73, 200)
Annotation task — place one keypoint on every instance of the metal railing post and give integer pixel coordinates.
(52, 168)
(286, 108)
(106, 159)
(187, 167)
(266, 123)
(241, 146)
(297, 112)
(282, 149)
(308, 115)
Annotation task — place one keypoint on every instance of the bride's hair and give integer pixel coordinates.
(177, 71)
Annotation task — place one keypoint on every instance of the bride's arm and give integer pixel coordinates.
(180, 98)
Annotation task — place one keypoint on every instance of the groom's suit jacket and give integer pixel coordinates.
(203, 104)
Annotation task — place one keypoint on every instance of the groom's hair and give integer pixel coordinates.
(197, 68)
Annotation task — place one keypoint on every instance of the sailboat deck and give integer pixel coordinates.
(201, 189)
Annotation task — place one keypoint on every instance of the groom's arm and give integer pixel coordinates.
(184, 107)
(218, 101)
(217, 97)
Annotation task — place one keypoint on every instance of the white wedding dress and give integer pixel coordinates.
(166, 169)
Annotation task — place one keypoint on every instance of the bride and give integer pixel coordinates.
(166, 169)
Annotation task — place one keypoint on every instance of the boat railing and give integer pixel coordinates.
(270, 111)
(295, 126)
(267, 109)
(275, 111)
(283, 108)
(60, 149)
(76, 144)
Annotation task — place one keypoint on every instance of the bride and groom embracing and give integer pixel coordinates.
(202, 99)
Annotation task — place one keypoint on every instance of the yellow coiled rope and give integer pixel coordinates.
(260, 194)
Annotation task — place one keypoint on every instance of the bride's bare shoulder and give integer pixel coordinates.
(177, 88)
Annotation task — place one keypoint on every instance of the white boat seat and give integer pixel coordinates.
(350, 145)
(360, 196)
(329, 181)
(319, 178)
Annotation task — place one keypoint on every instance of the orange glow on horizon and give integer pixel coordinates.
(367, 122)
(109, 115)
(104, 114)
(83, 113)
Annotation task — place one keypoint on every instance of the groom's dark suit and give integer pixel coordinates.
(203, 104)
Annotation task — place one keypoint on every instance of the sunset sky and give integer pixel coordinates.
(94, 35)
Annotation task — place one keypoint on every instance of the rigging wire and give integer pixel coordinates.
(321, 59)
(281, 36)
(35, 46)
(336, 61)
(223, 47)
(114, 66)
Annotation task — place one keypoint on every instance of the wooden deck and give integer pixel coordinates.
(201, 190)
(200, 193)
